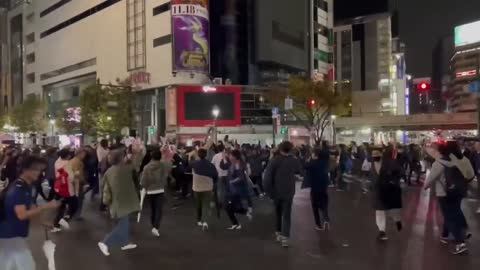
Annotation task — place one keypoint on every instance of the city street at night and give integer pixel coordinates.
(350, 244)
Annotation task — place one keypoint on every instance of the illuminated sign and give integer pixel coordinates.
(208, 88)
(466, 73)
(467, 34)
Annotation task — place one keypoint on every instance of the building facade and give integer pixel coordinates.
(369, 58)
(58, 48)
(322, 40)
(465, 67)
(54, 49)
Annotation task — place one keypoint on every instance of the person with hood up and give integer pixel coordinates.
(385, 177)
(154, 181)
(449, 168)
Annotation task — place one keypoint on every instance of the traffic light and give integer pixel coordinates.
(423, 86)
(151, 130)
(283, 130)
(311, 102)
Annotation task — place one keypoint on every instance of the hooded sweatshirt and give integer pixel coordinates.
(437, 173)
(154, 176)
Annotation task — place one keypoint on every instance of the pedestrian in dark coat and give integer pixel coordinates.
(316, 170)
(387, 191)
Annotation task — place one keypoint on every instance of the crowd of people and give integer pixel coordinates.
(222, 176)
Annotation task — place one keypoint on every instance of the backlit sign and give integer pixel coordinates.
(466, 73)
(467, 34)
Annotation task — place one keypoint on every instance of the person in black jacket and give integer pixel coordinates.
(388, 193)
(317, 173)
(279, 184)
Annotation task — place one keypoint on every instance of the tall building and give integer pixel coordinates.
(260, 42)
(465, 67)
(322, 35)
(54, 49)
(369, 57)
(58, 48)
(4, 100)
(441, 56)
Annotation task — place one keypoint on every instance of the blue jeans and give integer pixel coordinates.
(119, 236)
(14, 254)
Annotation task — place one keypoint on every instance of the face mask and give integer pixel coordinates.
(377, 159)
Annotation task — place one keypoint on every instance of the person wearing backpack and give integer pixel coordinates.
(16, 211)
(451, 173)
(154, 180)
(66, 191)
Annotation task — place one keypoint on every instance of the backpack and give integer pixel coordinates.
(456, 185)
(61, 185)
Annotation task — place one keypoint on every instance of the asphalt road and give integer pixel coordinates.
(350, 244)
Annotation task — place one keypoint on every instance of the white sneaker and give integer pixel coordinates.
(205, 226)
(55, 230)
(129, 246)
(478, 210)
(278, 236)
(155, 232)
(64, 224)
(235, 227)
(250, 216)
(285, 242)
(200, 224)
(103, 248)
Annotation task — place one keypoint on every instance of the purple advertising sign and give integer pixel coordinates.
(190, 30)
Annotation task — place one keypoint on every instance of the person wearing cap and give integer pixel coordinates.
(385, 177)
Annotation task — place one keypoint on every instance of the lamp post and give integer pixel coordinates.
(215, 114)
(334, 131)
(52, 128)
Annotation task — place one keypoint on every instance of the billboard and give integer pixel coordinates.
(190, 35)
(467, 34)
(195, 104)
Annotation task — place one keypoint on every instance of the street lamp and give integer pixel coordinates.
(215, 113)
(334, 130)
(52, 128)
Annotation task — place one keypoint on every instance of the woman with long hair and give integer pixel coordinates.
(237, 187)
(387, 191)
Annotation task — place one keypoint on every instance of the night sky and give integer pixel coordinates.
(422, 22)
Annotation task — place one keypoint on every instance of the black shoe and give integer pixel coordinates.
(460, 249)
(382, 236)
(399, 226)
(468, 235)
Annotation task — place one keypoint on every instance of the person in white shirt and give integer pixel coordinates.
(222, 174)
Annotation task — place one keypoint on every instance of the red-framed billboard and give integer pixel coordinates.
(196, 102)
